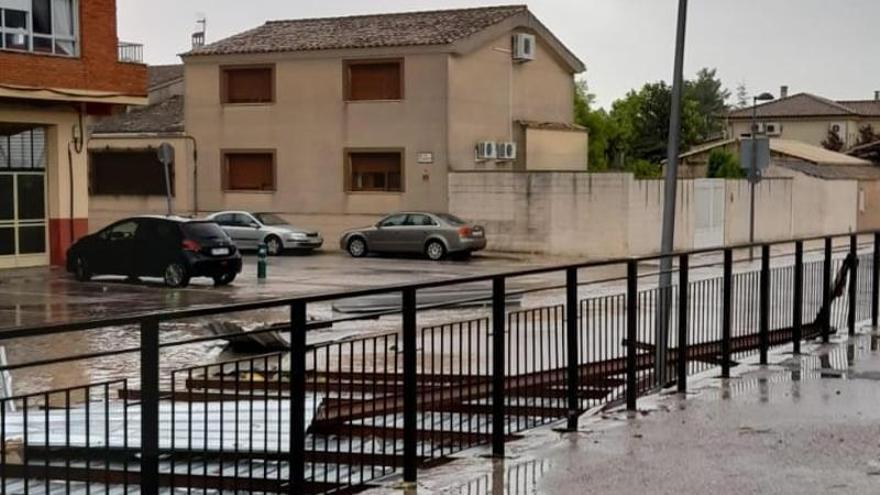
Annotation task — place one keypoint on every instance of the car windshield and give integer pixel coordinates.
(270, 219)
(203, 230)
(451, 219)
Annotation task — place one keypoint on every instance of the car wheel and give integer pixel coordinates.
(81, 269)
(224, 279)
(274, 245)
(176, 275)
(357, 247)
(435, 250)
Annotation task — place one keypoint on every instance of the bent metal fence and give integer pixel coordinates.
(330, 417)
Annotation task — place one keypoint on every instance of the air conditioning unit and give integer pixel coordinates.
(772, 128)
(523, 47)
(506, 150)
(486, 150)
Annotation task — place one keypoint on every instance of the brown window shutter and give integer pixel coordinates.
(250, 171)
(374, 81)
(135, 173)
(375, 171)
(248, 85)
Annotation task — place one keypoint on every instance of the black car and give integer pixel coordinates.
(173, 248)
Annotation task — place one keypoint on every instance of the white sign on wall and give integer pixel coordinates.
(425, 157)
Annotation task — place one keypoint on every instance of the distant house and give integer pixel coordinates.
(808, 118)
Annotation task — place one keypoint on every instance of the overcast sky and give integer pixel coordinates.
(826, 47)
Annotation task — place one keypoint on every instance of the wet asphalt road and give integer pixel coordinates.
(49, 295)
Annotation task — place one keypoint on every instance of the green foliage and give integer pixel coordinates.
(710, 97)
(742, 95)
(597, 124)
(724, 165)
(643, 169)
(867, 135)
(833, 141)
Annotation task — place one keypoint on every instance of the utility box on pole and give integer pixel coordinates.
(761, 149)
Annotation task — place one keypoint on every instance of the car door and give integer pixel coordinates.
(238, 227)
(386, 237)
(250, 229)
(157, 244)
(415, 233)
(114, 251)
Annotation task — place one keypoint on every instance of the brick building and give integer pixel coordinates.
(61, 65)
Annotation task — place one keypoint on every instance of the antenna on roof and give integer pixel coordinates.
(198, 37)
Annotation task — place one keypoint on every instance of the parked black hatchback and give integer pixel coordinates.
(173, 248)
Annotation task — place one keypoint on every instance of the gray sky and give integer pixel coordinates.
(826, 47)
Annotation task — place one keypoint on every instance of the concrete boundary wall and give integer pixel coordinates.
(613, 214)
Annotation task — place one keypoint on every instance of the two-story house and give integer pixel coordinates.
(60, 65)
(335, 120)
(808, 118)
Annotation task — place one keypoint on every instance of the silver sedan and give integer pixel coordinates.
(433, 234)
(249, 230)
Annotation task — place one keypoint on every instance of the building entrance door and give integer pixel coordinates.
(23, 223)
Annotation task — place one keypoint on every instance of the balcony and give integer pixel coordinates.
(130, 53)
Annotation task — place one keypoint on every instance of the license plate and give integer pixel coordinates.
(219, 251)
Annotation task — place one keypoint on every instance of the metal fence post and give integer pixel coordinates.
(297, 362)
(764, 323)
(682, 322)
(826, 292)
(149, 406)
(726, 311)
(410, 387)
(853, 284)
(798, 303)
(875, 282)
(499, 314)
(632, 296)
(571, 310)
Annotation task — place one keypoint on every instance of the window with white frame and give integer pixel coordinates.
(39, 26)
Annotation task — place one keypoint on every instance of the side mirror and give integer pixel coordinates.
(255, 225)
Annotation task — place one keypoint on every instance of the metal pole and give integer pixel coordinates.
(798, 304)
(166, 166)
(670, 192)
(149, 406)
(764, 323)
(853, 284)
(875, 282)
(753, 177)
(297, 397)
(683, 288)
(410, 387)
(826, 292)
(726, 311)
(498, 328)
(571, 309)
(632, 295)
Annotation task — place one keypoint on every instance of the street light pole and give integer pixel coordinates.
(753, 168)
(670, 192)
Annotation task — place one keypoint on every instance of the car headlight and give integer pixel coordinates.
(299, 236)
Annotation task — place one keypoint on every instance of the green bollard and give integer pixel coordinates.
(262, 253)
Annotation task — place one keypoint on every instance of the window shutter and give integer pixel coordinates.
(251, 85)
(374, 81)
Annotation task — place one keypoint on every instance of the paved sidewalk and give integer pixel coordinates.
(801, 425)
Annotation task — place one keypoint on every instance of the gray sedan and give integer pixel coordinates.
(249, 230)
(433, 234)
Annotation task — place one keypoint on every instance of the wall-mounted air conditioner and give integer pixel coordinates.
(506, 150)
(523, 47)
(486, 150)
(772, 128)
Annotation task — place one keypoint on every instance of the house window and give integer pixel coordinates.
(247, 84)
(249, 171)
(41, 26)
(23, 149)
(375, 170)
(128, 173)
(373, 80)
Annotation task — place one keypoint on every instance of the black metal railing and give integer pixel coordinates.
(412, 385)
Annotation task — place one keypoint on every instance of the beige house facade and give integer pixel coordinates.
(346, 130)
(808, 118)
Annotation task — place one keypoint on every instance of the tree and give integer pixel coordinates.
(833, 141)
(643, 169)
(867, 135)
(742, 95)
(723, 165)
(597, 124)
(710, 97)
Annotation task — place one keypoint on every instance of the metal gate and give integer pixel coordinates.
(709, 213)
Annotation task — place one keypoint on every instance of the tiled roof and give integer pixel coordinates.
(163, 117)
(161, 74)
(836, 172)
(809, 105)
(813, 154)
(553, 126)
(438, 27)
